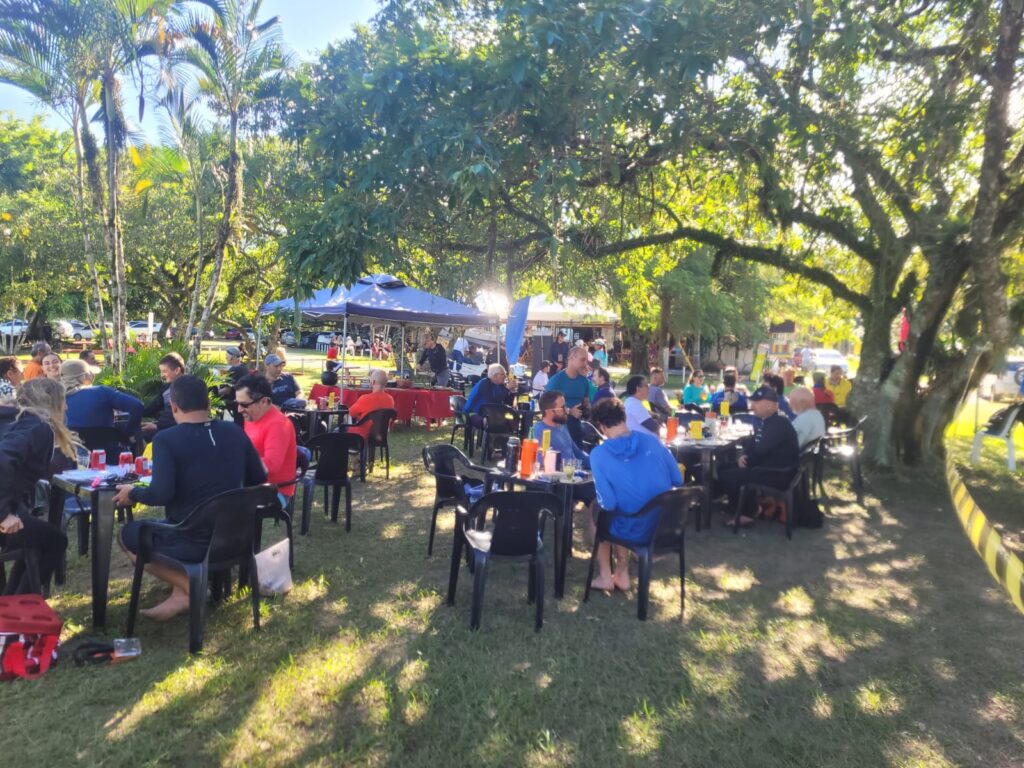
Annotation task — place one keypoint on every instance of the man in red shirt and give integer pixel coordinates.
(270, 432)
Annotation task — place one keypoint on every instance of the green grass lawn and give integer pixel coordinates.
(879, 640)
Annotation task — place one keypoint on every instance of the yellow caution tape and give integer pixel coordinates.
(1006, 568)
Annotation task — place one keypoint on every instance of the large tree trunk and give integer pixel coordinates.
(229, 223)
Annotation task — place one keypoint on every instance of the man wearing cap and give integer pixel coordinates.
(285, 391)
(236, 368)
(94, 406)
(600, 355)
(436, 357)
(34, 367)
(560, 351)
(771, 457)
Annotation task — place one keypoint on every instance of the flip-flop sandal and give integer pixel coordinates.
(744, 522)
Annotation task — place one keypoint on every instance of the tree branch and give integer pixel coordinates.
(726, 246)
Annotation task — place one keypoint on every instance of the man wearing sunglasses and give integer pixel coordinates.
(269, 430)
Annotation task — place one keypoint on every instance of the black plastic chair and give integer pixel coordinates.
(303, 459)
(300, 424)
(673, 508)
(448, 464)
(24, 578)
(458, 405)
(500, 423)
(590, 437)
(518, 519)
(788, 495)
(842, 445)
(287, 514)
(232, 518)
(377, 439)
(331, 452)
(832, 414)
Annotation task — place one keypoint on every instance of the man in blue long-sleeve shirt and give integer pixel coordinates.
(192, 462)
(490, 391)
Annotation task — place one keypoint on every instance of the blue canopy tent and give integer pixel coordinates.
(383, 297)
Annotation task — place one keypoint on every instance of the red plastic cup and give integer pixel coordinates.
(125, 462)
(98, 460)
(140, 466)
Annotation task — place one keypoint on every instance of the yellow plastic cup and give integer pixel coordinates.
(724, 408)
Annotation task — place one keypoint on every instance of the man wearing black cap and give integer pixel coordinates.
(771, 457)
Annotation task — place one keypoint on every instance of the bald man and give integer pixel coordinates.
(809, 422)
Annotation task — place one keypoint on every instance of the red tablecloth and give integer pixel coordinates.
(423, 403)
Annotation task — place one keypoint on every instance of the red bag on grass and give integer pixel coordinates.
(29, 635)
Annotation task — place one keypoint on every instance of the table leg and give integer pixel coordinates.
(708, 483)
(102, 542)
(562, 552)
(55, 516)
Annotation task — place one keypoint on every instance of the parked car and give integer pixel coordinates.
(233, 334)
(11, 330)
(143, 326)
(80, 331)
(61, 329)
(824, 359)
(288, 338)
(1004, 385)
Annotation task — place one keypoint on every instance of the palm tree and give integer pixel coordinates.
(125, 32)
(235, 61)
(45, 50)
(183, 159)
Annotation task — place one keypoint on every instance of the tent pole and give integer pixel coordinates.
(402, 354)
(344, 349)
(259, 345)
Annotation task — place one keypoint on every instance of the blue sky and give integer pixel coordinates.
(309, 25)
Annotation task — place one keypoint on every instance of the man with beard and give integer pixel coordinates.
(555, 415)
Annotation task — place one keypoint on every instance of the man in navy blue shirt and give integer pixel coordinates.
(192, 462)
(435, 356)
(285, 391)
(771, 457)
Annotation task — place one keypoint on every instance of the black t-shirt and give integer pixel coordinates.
(194, 462)
(283, 388)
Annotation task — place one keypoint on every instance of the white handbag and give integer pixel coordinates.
(272, 569)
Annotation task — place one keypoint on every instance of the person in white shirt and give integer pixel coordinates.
(540, 379)
(809, 422)
(638, 415)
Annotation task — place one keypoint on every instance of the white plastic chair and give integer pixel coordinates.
(999, 427)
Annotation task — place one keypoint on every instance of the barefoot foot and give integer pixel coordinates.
(169, 608)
